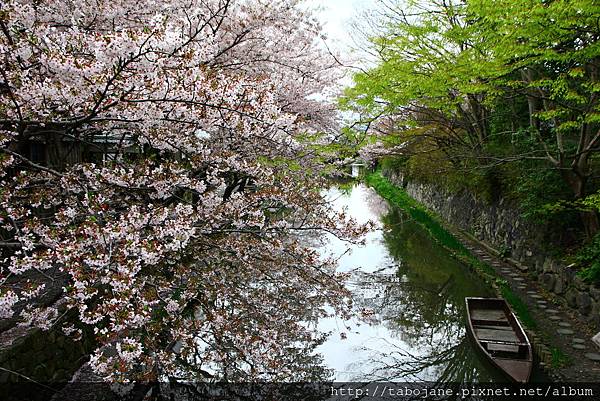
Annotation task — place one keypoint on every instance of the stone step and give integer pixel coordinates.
(593, 356)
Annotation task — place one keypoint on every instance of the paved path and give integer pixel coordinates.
(557, 326)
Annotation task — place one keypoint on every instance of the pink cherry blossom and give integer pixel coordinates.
(155, 168)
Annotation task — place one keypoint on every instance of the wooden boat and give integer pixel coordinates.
(500, 337)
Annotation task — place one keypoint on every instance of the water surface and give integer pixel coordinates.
(410, 295)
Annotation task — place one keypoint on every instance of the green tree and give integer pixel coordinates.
(427, 75)
(552, 51)
(448, 69)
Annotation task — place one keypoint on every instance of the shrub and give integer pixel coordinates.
(589, 257)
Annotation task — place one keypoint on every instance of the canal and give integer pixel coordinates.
(409, 294)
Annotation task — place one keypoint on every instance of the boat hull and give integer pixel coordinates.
(500, 337)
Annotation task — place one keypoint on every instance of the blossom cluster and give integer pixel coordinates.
(173, 184)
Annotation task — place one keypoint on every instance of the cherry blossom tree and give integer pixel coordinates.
(154, 169)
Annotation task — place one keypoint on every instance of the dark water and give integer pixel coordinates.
(410, 293)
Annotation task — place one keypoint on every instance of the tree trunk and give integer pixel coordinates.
(532, 101)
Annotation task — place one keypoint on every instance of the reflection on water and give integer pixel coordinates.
(409, 295)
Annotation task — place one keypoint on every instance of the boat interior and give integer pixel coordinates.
(498, 333)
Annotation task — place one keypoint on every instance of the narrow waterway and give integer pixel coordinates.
(410, 295)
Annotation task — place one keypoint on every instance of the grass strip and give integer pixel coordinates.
(559, 358)
(399, 198)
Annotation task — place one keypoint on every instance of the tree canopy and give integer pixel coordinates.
(484, 83)
(147, 155)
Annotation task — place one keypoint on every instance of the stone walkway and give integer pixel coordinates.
(557, 326)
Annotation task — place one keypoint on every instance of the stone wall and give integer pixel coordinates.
(526, 243)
